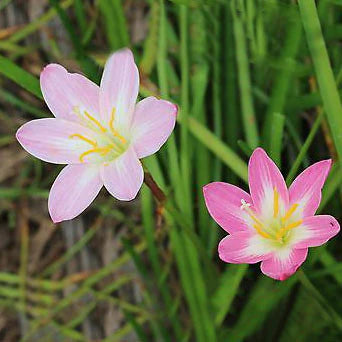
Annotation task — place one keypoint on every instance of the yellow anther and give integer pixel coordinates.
(112, 118)
(91, 142)
(96, 122)
(275, 202)
(101, 150)
(290, 212)
(113, 130)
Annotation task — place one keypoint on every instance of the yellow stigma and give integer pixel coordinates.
(96, 122)
(112, 128)
(275, 202)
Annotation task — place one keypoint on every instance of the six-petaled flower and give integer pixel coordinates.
(99, 131)
(273, 224)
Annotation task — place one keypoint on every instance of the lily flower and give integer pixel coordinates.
(272, 224)
(99, 131)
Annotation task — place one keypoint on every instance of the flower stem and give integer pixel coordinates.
(157, 192)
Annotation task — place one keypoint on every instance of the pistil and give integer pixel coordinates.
(258, 224)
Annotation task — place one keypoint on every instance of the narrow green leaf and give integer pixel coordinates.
(303, 151)
(248, 115)
(20, 76)
(227, 290)
(325, 77)
(221, 150)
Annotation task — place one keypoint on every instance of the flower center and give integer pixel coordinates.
(278, 227)
(110, 143)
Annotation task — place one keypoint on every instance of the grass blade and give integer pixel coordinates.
(325, 77)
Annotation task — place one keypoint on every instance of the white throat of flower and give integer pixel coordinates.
(110, 143)
(278, 228)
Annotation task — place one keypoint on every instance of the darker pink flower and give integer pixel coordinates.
(99, 131)
(273, 224)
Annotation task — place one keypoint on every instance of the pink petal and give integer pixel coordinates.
(50, 140)
(63, 91)
(119, 89)
(124, 176)
(264, 176)
(153, 122)
(244, 247)
(284, 263)
(316, 230)
(306, 188)
(223, 201)
(73, 190)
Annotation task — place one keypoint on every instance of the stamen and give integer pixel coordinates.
(96, 122)
(255, 219)
(260, 226)
(91, 142)
(283, 230)
(113, 130)
(293, 225)
(275, 202)
(113, 146)
(101, 150)
(261, 232)
(290, 212)
(112, 118)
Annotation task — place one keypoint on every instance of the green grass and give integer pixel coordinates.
(243, 74)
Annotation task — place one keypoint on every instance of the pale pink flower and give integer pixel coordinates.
(99, 131)
(273, 224)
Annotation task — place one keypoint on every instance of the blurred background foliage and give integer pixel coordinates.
(245, 73)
